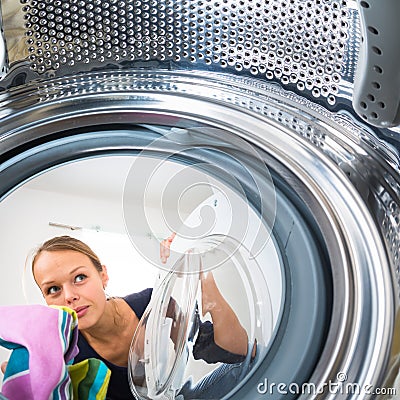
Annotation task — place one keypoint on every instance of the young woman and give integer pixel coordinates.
(70, 274)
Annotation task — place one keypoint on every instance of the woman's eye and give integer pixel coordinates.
(80, 278)
(52, 290)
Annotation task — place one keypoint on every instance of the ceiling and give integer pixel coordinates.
(106, 178)
(102, 177)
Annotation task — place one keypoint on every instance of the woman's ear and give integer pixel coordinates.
(104, 276)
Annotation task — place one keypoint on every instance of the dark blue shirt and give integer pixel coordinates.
(204, 348)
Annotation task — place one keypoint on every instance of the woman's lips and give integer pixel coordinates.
(81, 311)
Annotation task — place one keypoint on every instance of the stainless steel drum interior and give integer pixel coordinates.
(83, 79)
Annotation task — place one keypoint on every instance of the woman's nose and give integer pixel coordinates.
(70, 295)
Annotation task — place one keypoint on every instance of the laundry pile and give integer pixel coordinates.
(43, 341)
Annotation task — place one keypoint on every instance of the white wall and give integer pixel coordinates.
(25, 217)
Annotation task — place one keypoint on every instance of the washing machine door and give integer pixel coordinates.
(172, 348)
(159, 349)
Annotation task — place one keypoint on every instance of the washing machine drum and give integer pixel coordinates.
(296, 188)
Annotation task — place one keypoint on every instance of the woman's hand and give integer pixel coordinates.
(165, 248)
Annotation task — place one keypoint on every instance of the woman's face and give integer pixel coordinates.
(69, 278)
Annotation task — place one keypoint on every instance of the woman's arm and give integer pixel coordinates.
(228, 331)
(229, 334)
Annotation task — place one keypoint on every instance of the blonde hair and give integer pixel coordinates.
(60, 243)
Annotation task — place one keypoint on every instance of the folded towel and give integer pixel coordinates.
(43, 340)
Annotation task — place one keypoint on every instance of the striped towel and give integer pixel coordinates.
(44, 343)
(90, 379)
